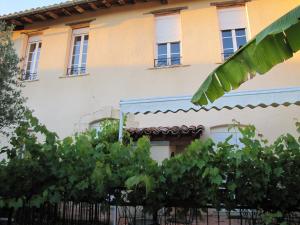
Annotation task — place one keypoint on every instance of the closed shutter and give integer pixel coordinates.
(167, 28)
(232, 18)
(81, 31)
(35, 38)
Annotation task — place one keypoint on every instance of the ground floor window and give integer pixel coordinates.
(221, 133)
(98, 125)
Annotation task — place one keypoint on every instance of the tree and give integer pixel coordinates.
(275, 44)
(11, 100)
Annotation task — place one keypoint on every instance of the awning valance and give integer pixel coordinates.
(240, 100)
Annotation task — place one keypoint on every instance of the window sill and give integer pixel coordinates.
(73, 76)
(167, 67)
(29, 81)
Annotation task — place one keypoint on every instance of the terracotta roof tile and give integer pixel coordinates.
(174, 131)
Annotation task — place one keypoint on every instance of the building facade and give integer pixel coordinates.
(80, 58)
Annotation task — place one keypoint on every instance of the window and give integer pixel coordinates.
(220, 133)
(78, 57)
(233, 29)
(32, 58)
(99, 125)
(167, 40)
(96, 126)
(233, 40)
(168, 54)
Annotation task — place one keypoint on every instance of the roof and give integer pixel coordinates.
(64, 9)
(174, 131)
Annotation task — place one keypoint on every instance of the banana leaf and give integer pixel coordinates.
(275, 44)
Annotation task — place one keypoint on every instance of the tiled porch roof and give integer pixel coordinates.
(174, 131)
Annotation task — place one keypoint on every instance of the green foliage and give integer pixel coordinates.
(31, 166)
(270, 218)
(95, 167)
(192, 176)
(11, 101)
(89, 165)
(275, 44)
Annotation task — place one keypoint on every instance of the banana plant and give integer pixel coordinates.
(273, 45)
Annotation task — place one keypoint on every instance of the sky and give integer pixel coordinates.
(9, 6)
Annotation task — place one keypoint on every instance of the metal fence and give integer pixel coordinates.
(67, 213)
(70, 213)
(128, 215)
(163, 62)
(29, 76)
(76, 70)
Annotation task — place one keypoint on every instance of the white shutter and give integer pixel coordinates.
(81, 31)
(34, 38)
(167, 28)
(159, 154)
(232, 18)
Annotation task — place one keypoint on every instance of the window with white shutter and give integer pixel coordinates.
(232, 23)
(168, 47)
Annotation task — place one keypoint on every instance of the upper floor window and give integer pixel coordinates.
(233, 29)
(32, 58)
(78, 57)
(168, 49)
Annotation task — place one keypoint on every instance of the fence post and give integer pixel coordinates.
(116, 214)
(10, 215)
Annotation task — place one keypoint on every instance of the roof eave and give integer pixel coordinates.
(61, 10)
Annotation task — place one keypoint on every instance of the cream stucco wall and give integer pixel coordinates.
(120, 65)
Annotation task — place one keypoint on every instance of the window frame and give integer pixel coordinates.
(96, 124)
(82, 33)
(33, 72)
(234, 40)
(168, 55)
(228, 130)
